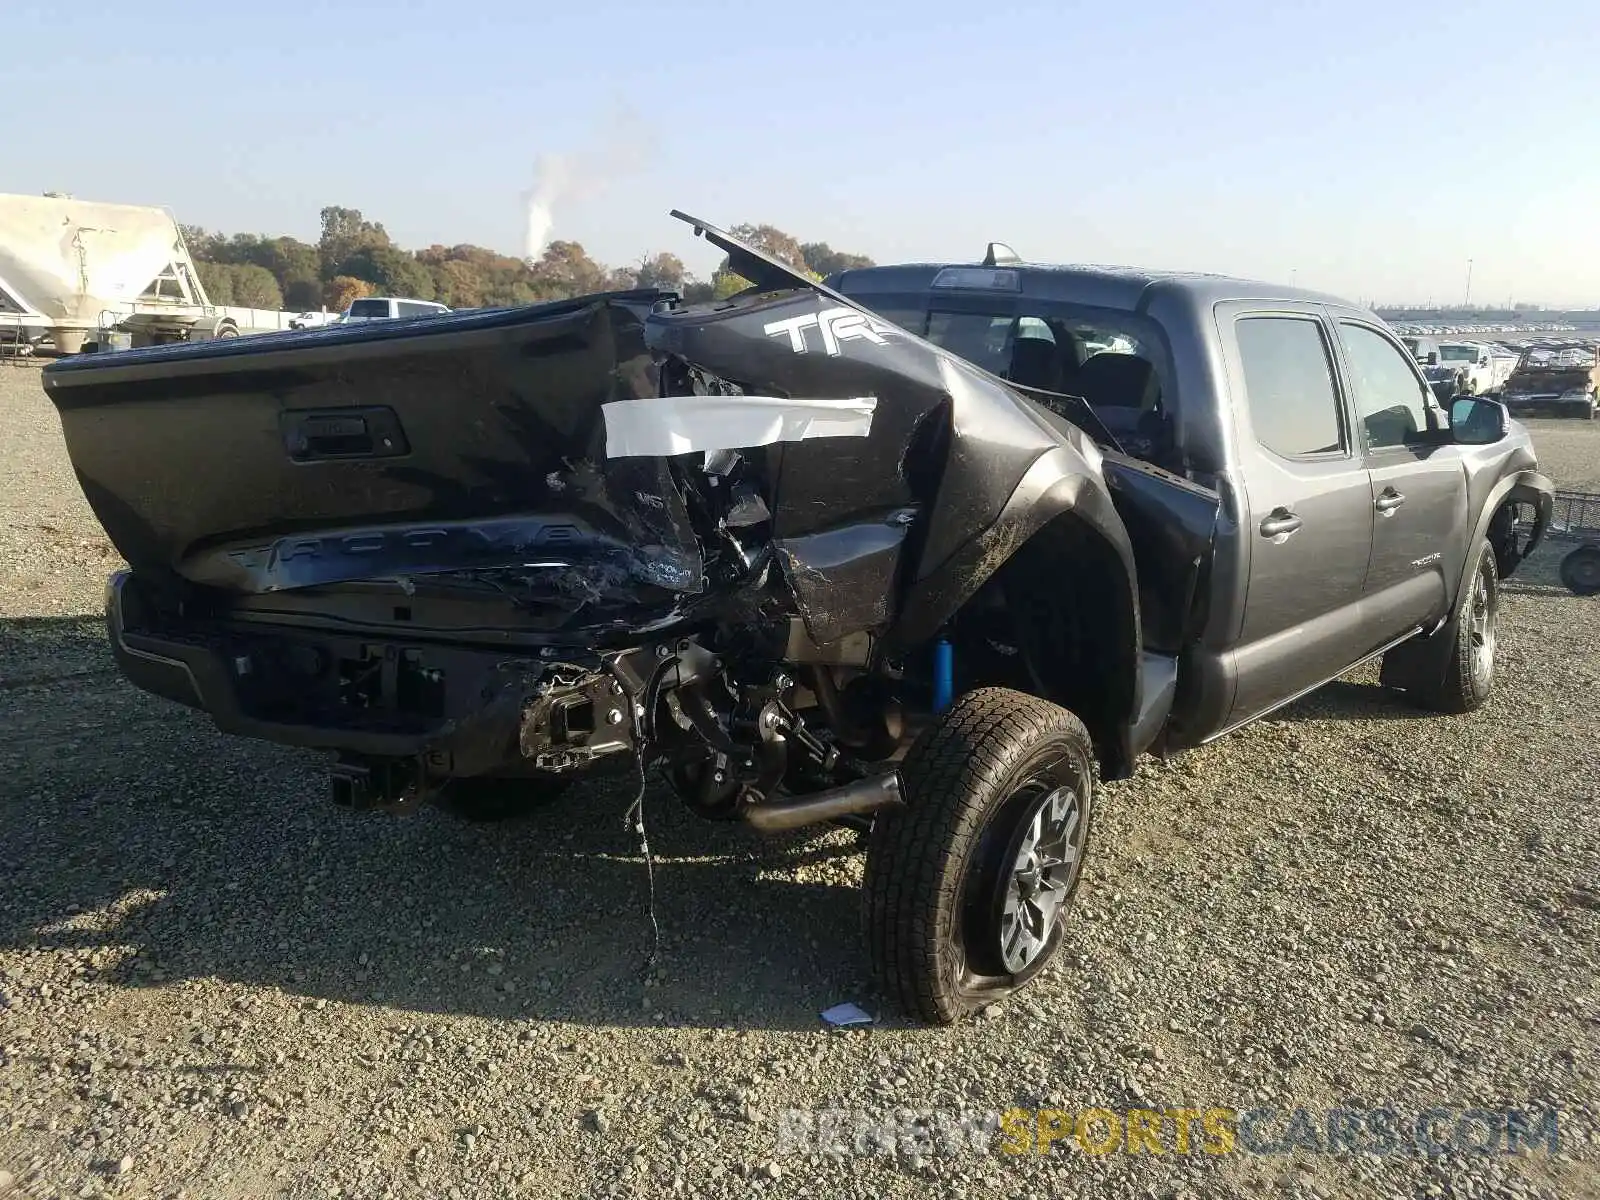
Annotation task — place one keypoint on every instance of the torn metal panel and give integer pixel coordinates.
(559, 542)
(538, 454)
(474, 442)
(1171, 525)
(664, 426)
(844, 580)
(949, 444)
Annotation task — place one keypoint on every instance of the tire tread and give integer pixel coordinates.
(913, 877)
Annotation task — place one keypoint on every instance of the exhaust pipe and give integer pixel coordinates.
(850, 799)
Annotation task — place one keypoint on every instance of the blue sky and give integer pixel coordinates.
(1370, 149)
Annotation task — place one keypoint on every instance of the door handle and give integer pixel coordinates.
(1279, 523)
(1389, 501)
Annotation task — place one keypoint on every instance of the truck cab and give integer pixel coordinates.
(1349, 519)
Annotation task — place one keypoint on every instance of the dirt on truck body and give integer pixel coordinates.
(926, 551)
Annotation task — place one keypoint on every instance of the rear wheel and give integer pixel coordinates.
(1580, 571)
(967, 889)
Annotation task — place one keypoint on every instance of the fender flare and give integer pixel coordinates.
(1422, 661)
(1523, 487)
(1060, 482)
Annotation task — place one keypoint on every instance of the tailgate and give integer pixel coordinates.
(473, 440)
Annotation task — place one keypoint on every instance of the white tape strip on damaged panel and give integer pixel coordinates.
(668, 425)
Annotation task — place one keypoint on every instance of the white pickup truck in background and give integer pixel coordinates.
(389, 308)
(1480, 370)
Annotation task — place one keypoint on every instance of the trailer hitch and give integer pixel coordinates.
(376, 784)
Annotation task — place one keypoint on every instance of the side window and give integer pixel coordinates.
(1289, 377)
(1391, 401)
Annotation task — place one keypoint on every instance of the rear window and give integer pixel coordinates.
(1035, 342)
(369, 308)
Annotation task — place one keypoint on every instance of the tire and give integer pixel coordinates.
(942, 887)
(485, 800)
(1468, 675)
(1580, 571)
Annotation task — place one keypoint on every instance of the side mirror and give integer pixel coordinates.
(1433, 358)
(1475, 421)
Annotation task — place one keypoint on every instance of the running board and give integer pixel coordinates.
(1288, 700)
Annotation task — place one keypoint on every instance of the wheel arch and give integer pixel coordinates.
(1523, 487)
(1059, 564)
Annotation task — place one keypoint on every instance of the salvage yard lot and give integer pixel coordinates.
(212, 980)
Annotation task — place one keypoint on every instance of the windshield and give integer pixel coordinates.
(369, 308)
(1458, 353)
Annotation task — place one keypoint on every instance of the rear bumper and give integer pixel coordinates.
(468, 724)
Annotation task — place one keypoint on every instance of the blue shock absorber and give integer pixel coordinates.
(944, 675)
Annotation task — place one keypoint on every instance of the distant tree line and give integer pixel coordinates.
(355, 257)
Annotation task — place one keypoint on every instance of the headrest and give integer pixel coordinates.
(1035, 362)
(1112, 380)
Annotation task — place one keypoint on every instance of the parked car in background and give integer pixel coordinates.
(1477, 371)
(1444, 380)
(314, 320)
(1423, 348)
(389, 308)
(1559, 378)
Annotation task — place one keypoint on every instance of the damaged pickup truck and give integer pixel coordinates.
(927, 551)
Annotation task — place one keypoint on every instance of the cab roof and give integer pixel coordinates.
(1118, 287)
(1126, 288)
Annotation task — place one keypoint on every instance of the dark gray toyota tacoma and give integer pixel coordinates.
(926, 551)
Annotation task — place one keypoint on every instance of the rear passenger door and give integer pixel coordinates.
(1306, 505)
(1419, 491)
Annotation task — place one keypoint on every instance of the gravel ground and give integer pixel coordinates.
(214, 983)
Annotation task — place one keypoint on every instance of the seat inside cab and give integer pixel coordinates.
(1122, 386)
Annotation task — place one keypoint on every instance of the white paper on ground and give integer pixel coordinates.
(666, 425)
(842, 1016)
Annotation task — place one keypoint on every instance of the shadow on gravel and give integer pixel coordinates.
(40, 649)
(131, 829)
(1518, 587)
(1345, 700)
(1540, 574)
